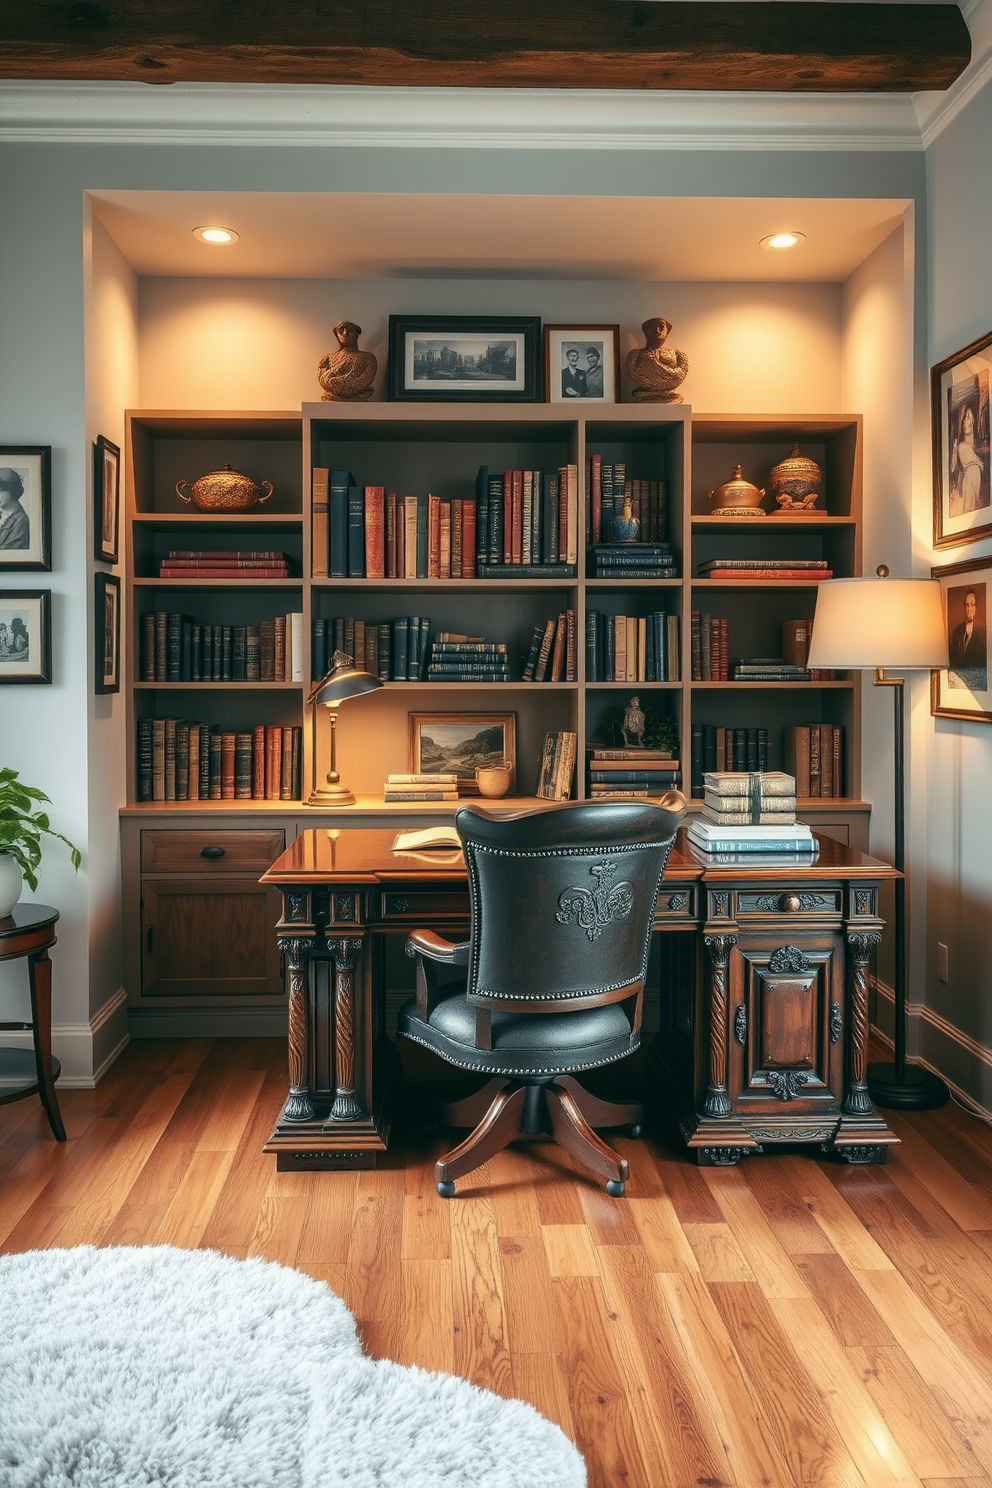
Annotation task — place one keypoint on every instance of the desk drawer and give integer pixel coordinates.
(210, 851)
(410, 906)
(791, 903)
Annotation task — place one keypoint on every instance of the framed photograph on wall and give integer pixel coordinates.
(464, 358)
(107, 629)
(107, 499)
(582, 364)
(963, 689)
(25, 635)
(461, 743)
(25, 507)
(962, 488)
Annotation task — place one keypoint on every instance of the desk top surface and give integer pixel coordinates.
(356, 855)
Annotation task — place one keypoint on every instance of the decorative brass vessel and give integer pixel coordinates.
(737, 497)
(225, 489)
(796, 483)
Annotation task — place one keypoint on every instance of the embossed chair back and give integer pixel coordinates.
(562, 900)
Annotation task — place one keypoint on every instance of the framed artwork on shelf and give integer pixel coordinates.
(25, 635)
(106, 499)
(464, 358)
(962, 494)
(582, 364)
(963, 688)
(107, 629)
(461, 743)
(25, 507)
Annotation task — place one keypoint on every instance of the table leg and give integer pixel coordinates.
(344, 953)
(299, 1106)
(717, 1102)
(40, 978)
(861, 944)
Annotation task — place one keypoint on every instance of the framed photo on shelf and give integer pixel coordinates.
(25, 635)
(464, 358)
(963, 689)
(582, 364)
(25, 507)
(461, 743)
(106, 499)
(962, 493)
(107, 630)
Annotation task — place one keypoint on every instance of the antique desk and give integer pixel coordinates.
(765, 982)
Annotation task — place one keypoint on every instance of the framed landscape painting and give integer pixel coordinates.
(962, 488)
(963, 689)
(464, 358)
(25, 635)
(460, 744)
(582, 364)
(25, 507)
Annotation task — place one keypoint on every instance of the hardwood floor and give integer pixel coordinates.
(791, 1323)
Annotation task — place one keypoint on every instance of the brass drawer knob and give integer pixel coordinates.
(791, 903)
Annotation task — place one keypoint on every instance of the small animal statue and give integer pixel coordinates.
(347, 375)
(655, 370)
(632, 727)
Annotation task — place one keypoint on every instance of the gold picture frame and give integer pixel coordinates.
(461, 743)
(962, 478)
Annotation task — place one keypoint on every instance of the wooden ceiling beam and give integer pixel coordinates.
(765, 45)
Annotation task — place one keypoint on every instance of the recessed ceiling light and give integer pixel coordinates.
(216, 234)
(783, 240)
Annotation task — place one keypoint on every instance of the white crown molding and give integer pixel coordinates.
(452, 118)
(936, 111)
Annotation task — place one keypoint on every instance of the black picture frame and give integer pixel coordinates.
(25, 508)
(106, 500)
(960, 389)
(963, 689)
(25, 613)
(107, 633)
(412, 377)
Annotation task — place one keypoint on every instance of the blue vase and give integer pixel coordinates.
(626, 526)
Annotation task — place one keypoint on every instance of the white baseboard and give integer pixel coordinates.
(961, 1061)
(85, 1050)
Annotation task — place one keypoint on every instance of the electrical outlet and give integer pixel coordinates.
(941, 961)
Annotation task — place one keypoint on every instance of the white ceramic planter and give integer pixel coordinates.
(11, 884)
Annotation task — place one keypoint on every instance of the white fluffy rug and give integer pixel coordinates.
(162, 1368)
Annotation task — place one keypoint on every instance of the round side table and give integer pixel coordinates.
(30, 931)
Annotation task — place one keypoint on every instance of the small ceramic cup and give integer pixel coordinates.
(493, 780)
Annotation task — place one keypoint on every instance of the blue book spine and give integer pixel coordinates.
(650, 660)
(592, 623)
(401, 642)
(609, 652)
(696, 762)
(549, 519)
(709, 746)
(762, 749)
(413, 649)
(318, 651)
(425, 635)
(495, 519)
(634, 777)
(186, 657)
(482, 515)
(356, 532)
(385, 650)
(339, 482)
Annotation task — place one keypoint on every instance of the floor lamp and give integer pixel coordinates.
(342, 680)
(878, 623)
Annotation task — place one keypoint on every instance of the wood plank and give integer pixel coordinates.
(970, 1209)
(372, 1289)
(569, 1250)
(499, 43)
(853, 1321)
(481, 1332)
(715, 1248)
(426, 1331)
(767, 1261)
(910, 1412)
(834, 1217)
(541, 1382)
(533, 1324)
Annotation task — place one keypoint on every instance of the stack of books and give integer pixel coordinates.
(633, 560)
(716, 748)
(814, 754)
(392, 650)
(629, 648)
(553, 650)
(607, 487)
(468, 659)
(709, 647)
(801, 570)
(739, 799)
(420, 788)
(769, 669)
(182, 760)
(710, 838)
(224, 563)
(176, 648)
(631, 772)
(554, 777)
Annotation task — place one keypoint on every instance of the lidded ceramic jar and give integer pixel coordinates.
(736, 494)
(796, 481)
(225, 489)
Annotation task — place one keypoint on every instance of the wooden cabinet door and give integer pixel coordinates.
(786, 1023)
(209, 937)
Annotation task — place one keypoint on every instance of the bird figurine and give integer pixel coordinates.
(632, 727)
(656, 370)
(347, 375)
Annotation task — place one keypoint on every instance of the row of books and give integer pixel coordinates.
(182, 760)
(553, 651)
(633, 560)
(710, 654)
(630, 772)
(709, 647)
(814, 755)
(393, 650)
(227, 563)
(557, 766)
(715, 748)
(805, 570)
(607, 486)
(176, 648)
(632, 648)
(421, 787)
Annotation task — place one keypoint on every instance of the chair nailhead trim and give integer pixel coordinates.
(567, 1069)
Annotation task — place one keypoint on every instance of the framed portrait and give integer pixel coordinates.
(461, 743)
(464, 358)
(582, 364)
(962, 492)
(25, 635)
(107, 629)
(106, 499)
(25, 507)
(963, 689)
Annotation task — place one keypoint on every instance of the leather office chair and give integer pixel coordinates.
(562, 905)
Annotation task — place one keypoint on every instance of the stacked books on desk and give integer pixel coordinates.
(749, 813)
(634, 560)
(631, 772)
(416, 787)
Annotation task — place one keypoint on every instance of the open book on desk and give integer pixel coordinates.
(433, 844)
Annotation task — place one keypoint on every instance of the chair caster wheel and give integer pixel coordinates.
(614, 1188)
(636, 1130)
(447, 1190)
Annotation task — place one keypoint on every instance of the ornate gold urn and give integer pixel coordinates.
(737, 497)
(796, 483)
(225, 489)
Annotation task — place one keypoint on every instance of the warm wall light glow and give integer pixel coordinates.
(216, 234)
(783, 240)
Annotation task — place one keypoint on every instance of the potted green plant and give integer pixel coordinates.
(21, 827)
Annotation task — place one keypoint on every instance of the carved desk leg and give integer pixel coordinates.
(861, 944)
(344, 953)
(299, 1106)
(717, 1102)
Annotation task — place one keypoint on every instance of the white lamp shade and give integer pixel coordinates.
(878, 623)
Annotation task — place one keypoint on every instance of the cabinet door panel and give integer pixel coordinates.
(209, 939)
(786, 1000)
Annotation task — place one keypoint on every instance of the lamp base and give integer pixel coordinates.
(917, 1089)
(331, 795)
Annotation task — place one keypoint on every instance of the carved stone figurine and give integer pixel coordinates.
(632, 727)
(655, 370)
(346, 375)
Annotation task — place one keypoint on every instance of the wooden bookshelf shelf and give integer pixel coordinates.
(218, 686)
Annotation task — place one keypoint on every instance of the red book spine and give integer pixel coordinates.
(596, 462)
(558, 653)
(273, 761)
(571, 644)
(212, 555)
(390, 525)
(244, 575)
(806, 575)
(468, 539)
(508, 516)
(286, 766)
(433, 537)
(517, 546)
(457, 538)
(563, 514)
(374, 537)
(227, 766)
(258, 763)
